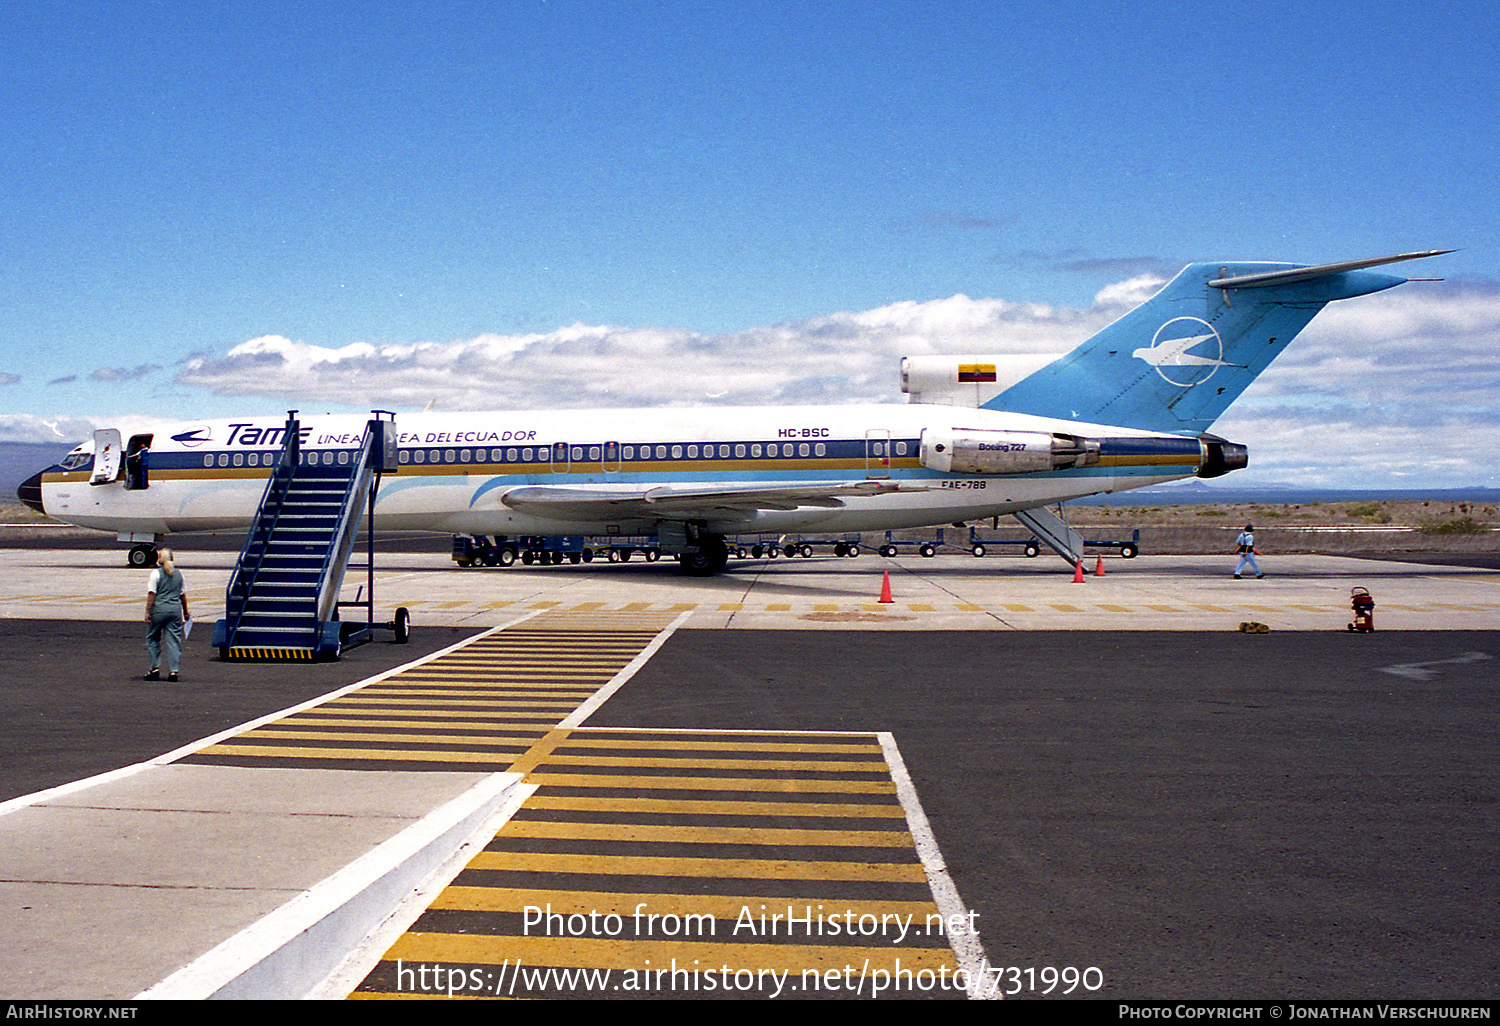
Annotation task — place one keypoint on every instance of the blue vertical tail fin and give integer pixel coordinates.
(1177, 361)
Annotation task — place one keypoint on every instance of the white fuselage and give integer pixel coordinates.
(456, 468)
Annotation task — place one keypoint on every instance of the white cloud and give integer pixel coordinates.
(23, 427)
(1400, 388)
(838, 358)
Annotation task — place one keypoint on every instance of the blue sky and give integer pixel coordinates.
(180, 179)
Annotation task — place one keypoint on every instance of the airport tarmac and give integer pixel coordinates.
(946, 592)
(1099, 776)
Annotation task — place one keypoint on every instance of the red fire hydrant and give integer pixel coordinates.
(1363, 605)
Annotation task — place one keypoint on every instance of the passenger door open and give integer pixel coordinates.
(107, 457)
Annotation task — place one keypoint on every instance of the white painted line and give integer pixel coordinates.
(62, 790)
(288, 952)
(1419, 671)
(971, 957)
(363, 959)
(598, 698)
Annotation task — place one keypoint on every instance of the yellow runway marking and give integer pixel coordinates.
(1016, 607)
(686, 763)
(671, 783)
(828, 810)
(497, 740)
(1113, 609)
(367, 754)
(670, 746)
(578, 952)
(297, 722)
(508, 899)
(709, 834)
(699, 869)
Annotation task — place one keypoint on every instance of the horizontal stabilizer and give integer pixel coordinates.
(1257, 281)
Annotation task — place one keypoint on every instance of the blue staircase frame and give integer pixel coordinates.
(283, 598)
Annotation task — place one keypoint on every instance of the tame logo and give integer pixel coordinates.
(1187, 346)
(194, 438)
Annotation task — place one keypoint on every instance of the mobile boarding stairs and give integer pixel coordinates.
(282, 602)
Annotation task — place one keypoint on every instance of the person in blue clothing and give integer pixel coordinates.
(1246, 549)
(166, 610)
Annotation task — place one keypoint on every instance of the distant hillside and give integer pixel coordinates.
(1196, 492)
(19, 460)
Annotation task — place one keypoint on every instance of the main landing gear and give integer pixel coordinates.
(709, 558)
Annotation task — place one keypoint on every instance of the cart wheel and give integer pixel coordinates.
(887, 551)
(841, 550)
(807, 552)
(403, 625)
(853, 551)
(927, 551)
(507, 555)
(1032, 550)
(1128, 551)
(756, 552)
(978, 551)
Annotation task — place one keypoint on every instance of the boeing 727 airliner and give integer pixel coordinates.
(1131, 406)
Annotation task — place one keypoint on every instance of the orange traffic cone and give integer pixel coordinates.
(885, 588)
(1099, 567)
(1078, 572)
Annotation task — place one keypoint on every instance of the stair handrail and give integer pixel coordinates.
(282, 474)
(342, 543)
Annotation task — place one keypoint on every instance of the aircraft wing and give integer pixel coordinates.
(582, 502)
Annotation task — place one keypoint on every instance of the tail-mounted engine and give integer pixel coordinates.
(1220, 456)
(977, 451)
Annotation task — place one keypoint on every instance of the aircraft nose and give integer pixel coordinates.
(30, 492)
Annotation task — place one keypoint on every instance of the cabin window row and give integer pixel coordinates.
(268, 459)
(577, 453)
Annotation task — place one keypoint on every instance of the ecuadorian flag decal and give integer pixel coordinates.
(976, 373)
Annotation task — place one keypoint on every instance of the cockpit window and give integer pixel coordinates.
(74, 460)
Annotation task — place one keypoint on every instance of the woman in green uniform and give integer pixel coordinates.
(166, 609)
